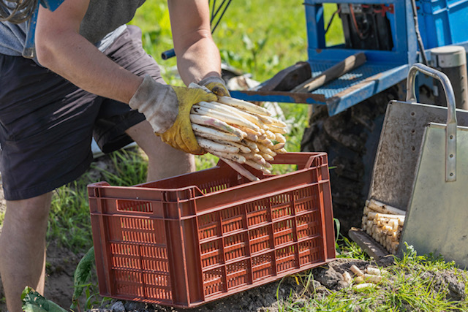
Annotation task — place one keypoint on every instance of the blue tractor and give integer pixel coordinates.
(348, 109)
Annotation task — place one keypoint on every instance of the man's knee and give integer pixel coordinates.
(29, 212)
(150, 143)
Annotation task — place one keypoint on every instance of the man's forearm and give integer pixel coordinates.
(197, 55)
(198, 61)
(76, 59)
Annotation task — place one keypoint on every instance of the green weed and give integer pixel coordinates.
(69, 221)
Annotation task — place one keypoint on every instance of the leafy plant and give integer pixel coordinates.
(130, 168)
(69, 220)
(81, 278)
(35, 302)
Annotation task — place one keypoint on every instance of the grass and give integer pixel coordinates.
(411, 284)
(69, 221)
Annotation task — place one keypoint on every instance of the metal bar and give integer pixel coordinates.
(451, 130)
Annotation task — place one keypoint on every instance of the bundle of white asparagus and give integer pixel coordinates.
(239, 132)
(384, 223)
(363, 279)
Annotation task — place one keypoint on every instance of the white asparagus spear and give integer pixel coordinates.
(267, 157)
(233, 157)
(251, 145)
(356, 270)
(347, 278)
(266, 150)
(280, 138)
(242, 148)
(229, 110)
(266, 120)
(257, 134)
(266, 143)
(383, 208)
(394, 223)
(267, 165)
(251, 136)
(272, 121)
(262, 161)
(241, 170)
(389, 216)
(277, 129)
(244, 105)
(211, 146)
(372, 278)
(214, 134)
(230, 119)
(257, 166)
(278, 146)
(372, 271)
(358, 279)
(228, 115)
(255, 157)
(366, 210)
(388, 229)
(281, 151)
(363, 286)
(379, 219)
(216, 123)
(270, 135)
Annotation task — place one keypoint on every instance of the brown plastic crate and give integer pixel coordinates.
(194, 238)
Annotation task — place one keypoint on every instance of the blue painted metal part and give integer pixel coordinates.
(383, 69)
(52, 5)
(340, 94)
(442, 21)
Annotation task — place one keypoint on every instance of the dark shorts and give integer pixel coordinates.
(47, 123)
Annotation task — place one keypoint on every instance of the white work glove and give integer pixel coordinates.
(158, 102)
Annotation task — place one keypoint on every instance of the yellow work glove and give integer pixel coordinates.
(216, 85)
(181, 135)
(167, 109)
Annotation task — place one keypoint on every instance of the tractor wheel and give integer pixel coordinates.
(350, 139)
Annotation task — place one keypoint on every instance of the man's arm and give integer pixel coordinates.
(61, 48)
(197, 54)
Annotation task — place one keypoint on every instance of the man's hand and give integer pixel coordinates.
(216, 85)
(167, 108)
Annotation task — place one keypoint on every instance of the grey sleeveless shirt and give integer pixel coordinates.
(103, 22)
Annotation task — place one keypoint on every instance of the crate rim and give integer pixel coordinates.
(104, 184)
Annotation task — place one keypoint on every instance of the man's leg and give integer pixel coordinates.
(22, 247)
(163, 160)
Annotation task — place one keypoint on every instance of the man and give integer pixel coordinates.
(87, 68)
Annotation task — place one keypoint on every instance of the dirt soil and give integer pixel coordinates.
(272, 297)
